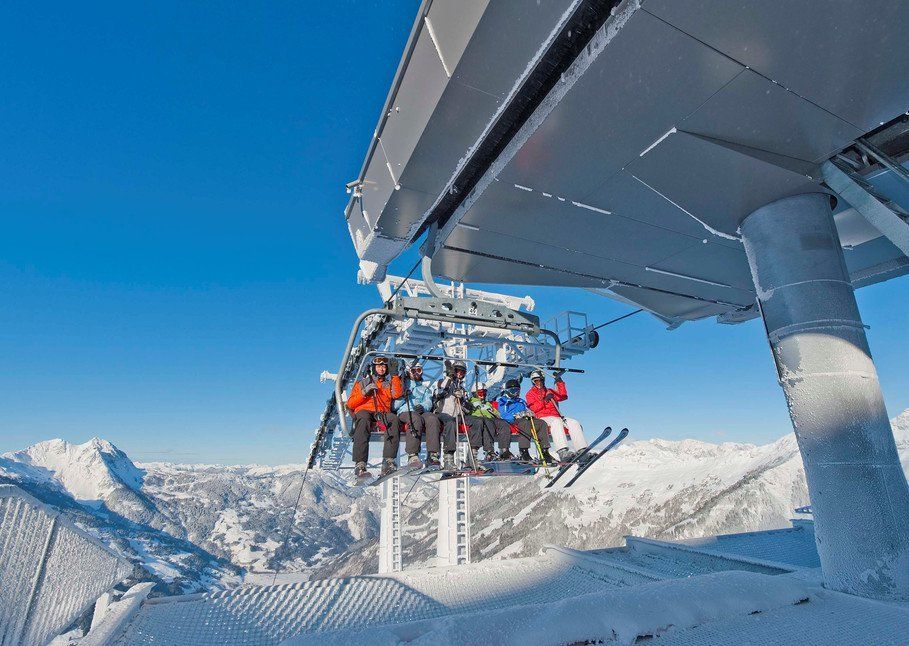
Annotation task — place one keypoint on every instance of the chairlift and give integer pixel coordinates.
(447, 310)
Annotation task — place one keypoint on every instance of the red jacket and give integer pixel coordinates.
(380, 401)
(537, 402)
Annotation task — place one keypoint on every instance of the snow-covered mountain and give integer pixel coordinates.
(197, 526)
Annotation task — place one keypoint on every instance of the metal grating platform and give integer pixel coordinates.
(793, 546)
(663, 566)
(258, 616)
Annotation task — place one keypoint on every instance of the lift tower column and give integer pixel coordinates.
(859, 494)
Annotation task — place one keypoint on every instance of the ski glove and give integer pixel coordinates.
(418, 409)
(549, 397)
(368, 389)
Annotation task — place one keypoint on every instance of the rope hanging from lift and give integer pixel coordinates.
(293, 517)
(616, 320)
(403, 282)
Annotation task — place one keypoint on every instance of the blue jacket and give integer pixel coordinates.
(510, 406)
(416, 393)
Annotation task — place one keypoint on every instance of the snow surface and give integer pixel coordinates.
(619, 616)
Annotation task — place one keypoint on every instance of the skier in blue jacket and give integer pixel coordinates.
(513, 409)
(415, 410)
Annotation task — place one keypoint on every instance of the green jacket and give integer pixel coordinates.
(482, 408)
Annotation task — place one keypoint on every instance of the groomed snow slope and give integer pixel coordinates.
(649, 588)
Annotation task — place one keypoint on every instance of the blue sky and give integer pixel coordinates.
(174, 266)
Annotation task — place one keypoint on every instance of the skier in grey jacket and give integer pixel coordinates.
(451, 406)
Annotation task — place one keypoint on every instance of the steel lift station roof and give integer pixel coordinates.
(618, 146)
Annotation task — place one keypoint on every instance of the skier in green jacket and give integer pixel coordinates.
(494, 427)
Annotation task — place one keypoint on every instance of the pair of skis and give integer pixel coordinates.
(587, 456)
(584, 459)
(403, 471)
(419, 471)
(492, 469)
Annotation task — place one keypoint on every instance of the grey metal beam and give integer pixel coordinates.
(870, 149)
(880, 216)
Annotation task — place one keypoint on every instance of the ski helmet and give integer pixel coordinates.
(512, 387)
(414, 369)
(537, 374)
(458, 365)
(379, 360)
(480, 389)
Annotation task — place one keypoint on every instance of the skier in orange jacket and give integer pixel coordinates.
(370, 402)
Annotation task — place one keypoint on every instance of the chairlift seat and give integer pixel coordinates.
(377, 431)
(515, 431)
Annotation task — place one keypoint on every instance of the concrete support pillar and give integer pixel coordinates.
(859, 494)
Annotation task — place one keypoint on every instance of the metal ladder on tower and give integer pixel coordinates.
(390, 528)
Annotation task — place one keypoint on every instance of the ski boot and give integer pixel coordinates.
(388, 466)
(360, 470)
(548, 458)
(432, 460)
(525, 456)
(566, 455)
(414, 462)
(448, 462)
(475, 463)
(506, 456)
(587, 457)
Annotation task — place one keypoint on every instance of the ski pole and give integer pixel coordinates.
(381, 415)
(473, 460)
(536, 439)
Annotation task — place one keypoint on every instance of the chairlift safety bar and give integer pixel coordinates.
(479, 362)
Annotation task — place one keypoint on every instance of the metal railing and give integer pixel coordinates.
(51, 572)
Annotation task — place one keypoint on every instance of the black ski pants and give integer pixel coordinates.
(495, 430)
(421, 424)
(526, 426)
(450, 431)
(364, 421)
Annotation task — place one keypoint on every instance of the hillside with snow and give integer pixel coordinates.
(191, 527)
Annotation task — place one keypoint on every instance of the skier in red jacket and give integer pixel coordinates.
(543, 402)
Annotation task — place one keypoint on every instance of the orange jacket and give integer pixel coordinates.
(377, 401)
